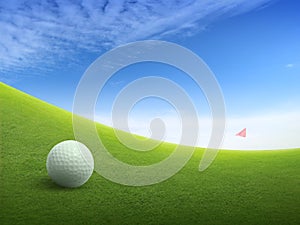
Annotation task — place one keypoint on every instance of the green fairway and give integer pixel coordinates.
(240, 187)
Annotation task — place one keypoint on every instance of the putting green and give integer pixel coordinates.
(240, 187)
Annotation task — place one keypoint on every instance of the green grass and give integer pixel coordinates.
(240, 187)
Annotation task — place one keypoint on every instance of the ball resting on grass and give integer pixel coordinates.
(70, 164)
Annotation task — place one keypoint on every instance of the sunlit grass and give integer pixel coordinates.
(240, 187)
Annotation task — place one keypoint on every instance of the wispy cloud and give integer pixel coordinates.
(264, 132)
(290, 65)
(43, 32)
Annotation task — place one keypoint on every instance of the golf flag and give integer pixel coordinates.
(242, 133)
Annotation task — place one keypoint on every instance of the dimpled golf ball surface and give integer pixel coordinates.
(70, 164)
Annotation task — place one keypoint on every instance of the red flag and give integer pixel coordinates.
(242, 133)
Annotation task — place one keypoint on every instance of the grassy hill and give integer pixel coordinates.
(240, 187)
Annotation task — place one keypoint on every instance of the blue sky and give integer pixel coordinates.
(253, 48)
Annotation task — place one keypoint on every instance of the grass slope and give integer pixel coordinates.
(241, 187)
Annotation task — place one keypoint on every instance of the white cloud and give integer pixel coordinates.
(270, 131)
(264, 132)
(290, 65)
(35, 32)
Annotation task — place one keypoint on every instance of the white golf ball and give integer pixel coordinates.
(70, 164)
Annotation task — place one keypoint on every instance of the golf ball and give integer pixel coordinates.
(70, 164)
